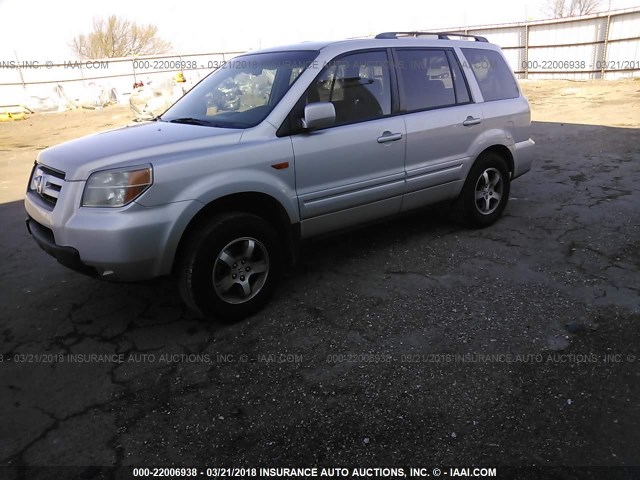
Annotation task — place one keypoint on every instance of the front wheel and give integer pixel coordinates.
(485, 193)
(230, 266)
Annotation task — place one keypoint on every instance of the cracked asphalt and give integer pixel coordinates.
(410, 342)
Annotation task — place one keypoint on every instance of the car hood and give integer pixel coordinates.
(132, 145)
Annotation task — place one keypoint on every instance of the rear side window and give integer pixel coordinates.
(494, 76)
(429, 79)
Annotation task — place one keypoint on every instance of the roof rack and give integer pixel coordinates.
(440, 35)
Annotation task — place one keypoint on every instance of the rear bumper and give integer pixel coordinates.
(523, 157)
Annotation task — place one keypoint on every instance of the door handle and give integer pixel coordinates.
(389, 137)
(471, 121)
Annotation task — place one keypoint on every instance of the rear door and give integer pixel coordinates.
(442, 123)
(351, 172)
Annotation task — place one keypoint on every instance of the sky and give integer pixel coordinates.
(42, 30)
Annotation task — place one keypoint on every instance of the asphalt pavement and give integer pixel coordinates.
(411, 342)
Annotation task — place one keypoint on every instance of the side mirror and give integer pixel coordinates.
(318, 115)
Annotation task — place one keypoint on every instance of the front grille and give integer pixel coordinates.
(46, 183)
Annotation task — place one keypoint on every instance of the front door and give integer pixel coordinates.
(353, 171)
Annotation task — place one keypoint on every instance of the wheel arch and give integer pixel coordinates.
(504, 152)
(256, 203)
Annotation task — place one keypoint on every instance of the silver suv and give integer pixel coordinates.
(280, 145)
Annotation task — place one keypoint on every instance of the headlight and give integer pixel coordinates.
(115, 188)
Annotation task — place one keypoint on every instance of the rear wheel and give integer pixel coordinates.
(230, 266)
(485, 193)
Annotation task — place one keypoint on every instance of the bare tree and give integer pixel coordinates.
(571, 8)
(556, 8)
(117, 37)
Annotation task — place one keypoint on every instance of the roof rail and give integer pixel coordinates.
(440, 35)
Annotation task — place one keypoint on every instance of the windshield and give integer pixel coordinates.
(242, 92)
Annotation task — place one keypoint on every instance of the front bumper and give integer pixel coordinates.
(125, 244)
(67, 256)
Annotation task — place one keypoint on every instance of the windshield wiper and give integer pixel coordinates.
(192, 121)
(205, 123)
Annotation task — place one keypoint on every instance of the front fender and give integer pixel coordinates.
(242, 168)
(202, 194)
(223, 184)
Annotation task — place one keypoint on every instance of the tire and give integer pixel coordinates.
(230, 266)
(480, 203)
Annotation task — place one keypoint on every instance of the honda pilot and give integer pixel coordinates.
(281, 145)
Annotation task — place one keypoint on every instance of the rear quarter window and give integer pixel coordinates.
(494, 76)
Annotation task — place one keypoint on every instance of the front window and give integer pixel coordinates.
(358, 85)
(243, 92)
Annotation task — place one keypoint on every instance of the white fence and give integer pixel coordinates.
(20, 79)
(604, 45)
